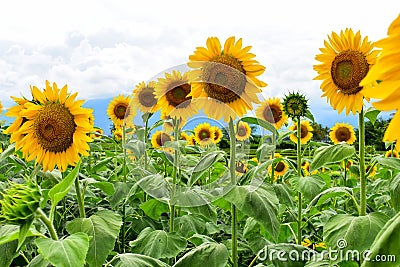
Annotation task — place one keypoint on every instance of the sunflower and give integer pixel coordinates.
(386, 72)
(119, 110)
(295, 105)
(372, 172)
(228, 76)
(349, 163)
(192, 140)
(159, 139)
(280, 168)
(91, 118)
(1, 108)
(241, 168)
(346, 60)
(144, 98)
(184, 136)
(54, 129)
(243, 131)
(342, 132)
(169, 125)
(305, 132)
(306, 168)
(118, 134)
(203, 134)
(97, 133)
(391, 154)
(15, 111)
(173, 94)
(217, 134)
(272, 111)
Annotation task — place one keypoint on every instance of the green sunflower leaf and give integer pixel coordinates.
(330, 154)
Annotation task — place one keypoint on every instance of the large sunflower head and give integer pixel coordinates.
(271, 111)
(217, 134)
(305, 132)
(54, 129)
(120, 111)
(391, 154)
(173, 94)
(295, 105)
(144, 98)
(227, 76)
(203, 134)
(243, 131)
(345, 61)
(159, 139)
(386, 72)
(342, 132)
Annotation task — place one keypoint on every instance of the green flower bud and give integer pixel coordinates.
(19, 203)
(295, 105)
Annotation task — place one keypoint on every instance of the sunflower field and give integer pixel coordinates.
(156, 193)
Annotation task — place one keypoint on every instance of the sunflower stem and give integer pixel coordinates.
(79, 198)
(46, 221)
(299, 196)
(363, 181)
(273, 157)
(123, 228)
(146, 129)
(174, 176)
(232, 169)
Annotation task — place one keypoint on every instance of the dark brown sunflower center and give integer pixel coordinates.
(224, 78)
(242, 131)
(216, 135)
(343, 134)
(348, 69)
(280, 166)
(146, 97)
(54, 128)
(303, 131)
(162, 139)
(272, 114)
(120, 110)
(177, 96)
(204, 134)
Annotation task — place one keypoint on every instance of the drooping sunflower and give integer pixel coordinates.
(119, 110)
(305, 132)
(342, 132)
(346, 60)
(54, 129)
(243, 131)
(169, 125)
(173, 94)
(144, 98)
(225, 79)
(159, 139)
(391, 154)
(217, 134)
(203, 134)
(280, 168)
(271, 111)
(386, 72)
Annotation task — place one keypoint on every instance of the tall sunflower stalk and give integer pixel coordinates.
(174, 175)
(363, 178)
(232, 169)
(295, 106)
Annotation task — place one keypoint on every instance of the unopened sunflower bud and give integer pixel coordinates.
(19, 203)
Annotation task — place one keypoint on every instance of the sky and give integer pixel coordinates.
(104, 48)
